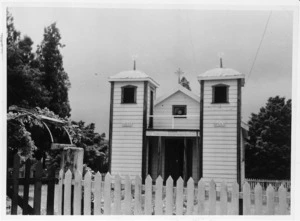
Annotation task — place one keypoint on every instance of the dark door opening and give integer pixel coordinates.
(174, 155)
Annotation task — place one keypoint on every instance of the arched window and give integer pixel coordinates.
(128, 94)
(220, 94)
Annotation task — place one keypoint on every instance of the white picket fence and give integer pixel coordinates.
(95, 196)
(265, 183)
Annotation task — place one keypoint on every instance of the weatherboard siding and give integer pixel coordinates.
(219, 134)
(127, 132)
(165, 108)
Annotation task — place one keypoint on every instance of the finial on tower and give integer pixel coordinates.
(220, 55)
(134, 57)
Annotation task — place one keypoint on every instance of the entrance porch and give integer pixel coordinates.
(174, 153)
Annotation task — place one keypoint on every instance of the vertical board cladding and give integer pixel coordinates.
(166, 108)
(219, 134)
(127, 132)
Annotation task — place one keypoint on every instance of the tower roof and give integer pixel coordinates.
(221, 73)
(132, 75)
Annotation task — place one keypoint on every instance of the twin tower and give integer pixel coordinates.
(180, 134)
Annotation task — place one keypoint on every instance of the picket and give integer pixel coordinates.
(26, 187)
(258, 199)
(169, 196)
(201, 197)
(246, 199)
(107, 191)
(128, 198)
(67, 193)
(223, 198)
(117, 196)
(14, 200)
(60, 192)
(38, 188)
(270, 200)
(97, 194)
(179, 196)
(282, 200)
(158, 196)
(235, 199)
(190, 197)
(148, 195)
(77, 193)
(212, 198)
(87, 193)
(138, 196)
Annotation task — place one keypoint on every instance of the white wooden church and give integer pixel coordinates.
(181, 134)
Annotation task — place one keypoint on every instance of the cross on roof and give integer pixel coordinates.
(179, 72)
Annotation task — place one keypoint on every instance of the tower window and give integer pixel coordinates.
(220, 94)
(128, 94)
(179, 110)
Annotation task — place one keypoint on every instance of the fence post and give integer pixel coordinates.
(87, 193)
(107, 199)
(246, 199)
(38, 188)
(282, 200)
(201, 197)
(179, 196)
(190, 196)
(169, 196)
(235, 199)
(148, 196)
(223, 198)
(60, 192)
(77, 193)
(158, 196)
(14, 200)
(26, 188)
(137, 196)
(97, 194)
(270, 200)
(117, 195)
(127, 200)
(212, 198)
(258, 199)
(67, 193)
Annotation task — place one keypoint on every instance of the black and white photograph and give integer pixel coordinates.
(149, 109)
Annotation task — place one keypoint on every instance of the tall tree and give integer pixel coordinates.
(24, 86)
(56, 80)
(268, 149)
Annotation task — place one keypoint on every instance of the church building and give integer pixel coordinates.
(181, 134)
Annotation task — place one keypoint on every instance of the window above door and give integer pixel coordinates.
(179, 111)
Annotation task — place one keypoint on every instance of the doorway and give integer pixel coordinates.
(178, 160)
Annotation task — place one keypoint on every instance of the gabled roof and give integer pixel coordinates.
(132, 75)
(175, 90)
(221, 73)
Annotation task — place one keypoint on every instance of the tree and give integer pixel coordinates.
(55, 80)
(185, 83)
(268, 149)
(24, 86)
(95, 146)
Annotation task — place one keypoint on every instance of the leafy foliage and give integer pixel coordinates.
(268, 150)
(55, 79)
(94, 145)
(185, 83)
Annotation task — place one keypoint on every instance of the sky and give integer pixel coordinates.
(101, 42)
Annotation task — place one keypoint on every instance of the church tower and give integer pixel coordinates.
(132, 94)
(220, 124)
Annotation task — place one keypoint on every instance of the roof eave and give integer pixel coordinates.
(134, 79)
